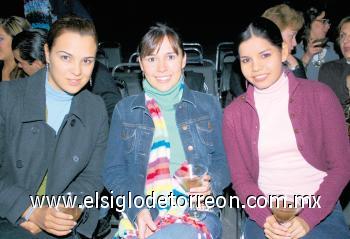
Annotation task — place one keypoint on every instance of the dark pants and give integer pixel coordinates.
(332, 227)
(10, 231)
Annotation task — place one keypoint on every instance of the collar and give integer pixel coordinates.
(34, 105)
(187, 97)
(292, 81)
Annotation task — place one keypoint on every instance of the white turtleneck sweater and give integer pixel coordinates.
(282, 168)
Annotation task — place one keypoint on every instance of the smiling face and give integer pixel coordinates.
(261, 61)
(71, 61)
(163, 67)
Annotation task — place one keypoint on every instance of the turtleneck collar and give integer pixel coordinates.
(275, 87)
(56, 94)
(165, 99)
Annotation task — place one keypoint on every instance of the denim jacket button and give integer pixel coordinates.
(184, 127)
(190, 148)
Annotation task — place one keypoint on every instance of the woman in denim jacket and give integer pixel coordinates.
(155, 133)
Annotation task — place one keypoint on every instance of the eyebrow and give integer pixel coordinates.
(72, 55)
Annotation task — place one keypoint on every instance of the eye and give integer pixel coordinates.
(151, 59)
(65, 57)
(88, 61)
(245, 60)
(172, 57)
(265, 55)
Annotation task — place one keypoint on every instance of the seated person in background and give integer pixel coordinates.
(9, 27)
(28, 50)
(315, 49)
(285, 136)
(335, 73)
(53, 136)
(155, 134)
(289, 21)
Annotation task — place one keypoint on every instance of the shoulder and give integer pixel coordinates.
(331, 64)
(315, 89)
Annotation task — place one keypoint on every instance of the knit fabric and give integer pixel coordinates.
(38, 13)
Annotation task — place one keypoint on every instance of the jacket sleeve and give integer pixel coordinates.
(243, 183)
(218, 167)
(13, 198)
(337, 151)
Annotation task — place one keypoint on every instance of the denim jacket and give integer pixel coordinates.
(199, 119)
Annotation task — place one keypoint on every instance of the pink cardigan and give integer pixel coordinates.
(319, 126)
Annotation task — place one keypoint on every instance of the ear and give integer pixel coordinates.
(47, 53)
(285, 51)
(140, 62)
(184, 59)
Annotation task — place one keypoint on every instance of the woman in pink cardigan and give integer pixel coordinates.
(285, 135)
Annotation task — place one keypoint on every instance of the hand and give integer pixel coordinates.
(31, 227)
(145, 224)
(292, 62)
(273, 230)
(53, 221)
(298, 228)
(312, 49)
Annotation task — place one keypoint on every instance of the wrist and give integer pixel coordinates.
(28, 213)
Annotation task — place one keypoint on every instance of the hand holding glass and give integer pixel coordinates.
(192, 178)
(286, 209)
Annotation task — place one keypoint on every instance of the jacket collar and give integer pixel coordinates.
(187, 96)
(34, 105)
(293, 84)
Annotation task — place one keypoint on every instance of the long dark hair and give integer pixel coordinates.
(263, 28)
(30, 44)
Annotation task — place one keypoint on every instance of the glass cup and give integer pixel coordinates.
(191, 178)
(285, 208)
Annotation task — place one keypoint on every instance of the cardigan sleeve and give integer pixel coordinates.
(337, 153)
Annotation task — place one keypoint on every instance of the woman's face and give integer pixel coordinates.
(261, 62)
(5, 45)
(71, 61)
(319, 27)
(163, 67)
(288, 36)
(344, 40)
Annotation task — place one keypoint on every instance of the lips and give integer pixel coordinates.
(163, 78)
(74, 82)
(260, 77)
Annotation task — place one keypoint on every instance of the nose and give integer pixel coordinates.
(256, 65)
(161, 66)
(76, 68)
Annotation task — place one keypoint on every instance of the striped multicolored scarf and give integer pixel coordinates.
(159, 182)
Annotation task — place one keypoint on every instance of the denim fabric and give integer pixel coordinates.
(186, 231)
(332, 227)
(198, 117)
